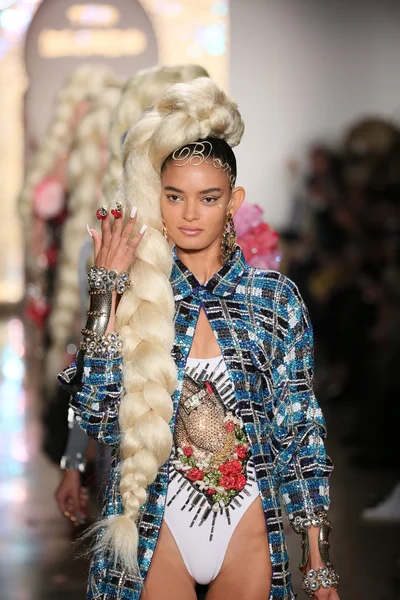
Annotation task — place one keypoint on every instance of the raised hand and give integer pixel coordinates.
(113, 248)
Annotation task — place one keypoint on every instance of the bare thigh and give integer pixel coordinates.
(168, 577)
(246, 571)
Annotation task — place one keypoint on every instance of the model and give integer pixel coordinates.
(197, 369)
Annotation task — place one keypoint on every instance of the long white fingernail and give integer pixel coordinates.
(133, 212)
(89, 232)
(143, 228)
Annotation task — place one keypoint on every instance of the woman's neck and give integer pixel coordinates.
(202, 263)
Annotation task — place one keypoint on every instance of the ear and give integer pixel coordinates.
(237, 199)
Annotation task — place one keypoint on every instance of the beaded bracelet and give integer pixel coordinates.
(313, 580)
(99, 278)
(73, 463)
(100, 346)
(303, 524)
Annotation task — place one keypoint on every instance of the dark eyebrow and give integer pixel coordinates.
(170, 188)
(210, 190)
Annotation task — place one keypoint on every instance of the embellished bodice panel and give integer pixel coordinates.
(211, 467)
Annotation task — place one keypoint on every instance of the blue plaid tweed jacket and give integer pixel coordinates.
(265, 335)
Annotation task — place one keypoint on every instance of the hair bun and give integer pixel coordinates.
(185, 113)
(204, 101)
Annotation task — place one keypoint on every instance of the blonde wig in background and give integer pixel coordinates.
(185, 113)
(86, 167)
(138, 95)
(85, 176)
(84, 84)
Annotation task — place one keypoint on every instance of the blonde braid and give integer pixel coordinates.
(185, 113)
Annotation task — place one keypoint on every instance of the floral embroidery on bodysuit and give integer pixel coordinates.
(211, 451)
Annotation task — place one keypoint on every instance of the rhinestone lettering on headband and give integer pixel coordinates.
(197, 153)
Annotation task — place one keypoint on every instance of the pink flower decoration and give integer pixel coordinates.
(260, 247)
(270, 261)
(247, 217)
(48, 199)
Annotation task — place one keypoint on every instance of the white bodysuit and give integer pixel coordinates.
(212, 478)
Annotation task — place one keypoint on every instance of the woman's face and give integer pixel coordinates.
(194, 202)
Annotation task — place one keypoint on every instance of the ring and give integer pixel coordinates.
(117, 211)
(101, 213)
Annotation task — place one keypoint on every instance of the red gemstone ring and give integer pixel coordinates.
(117, 211)
(101, 213)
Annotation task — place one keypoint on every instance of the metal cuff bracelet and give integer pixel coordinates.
(325, 576)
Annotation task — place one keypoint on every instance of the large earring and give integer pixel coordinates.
(165, 231)
(228, 238)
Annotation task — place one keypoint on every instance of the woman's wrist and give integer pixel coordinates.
(316, 565)
(312, 563)
(111, 320)
(106, 288)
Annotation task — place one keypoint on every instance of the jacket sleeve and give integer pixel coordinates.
(74, 457)
(95, 388)
(304, 477)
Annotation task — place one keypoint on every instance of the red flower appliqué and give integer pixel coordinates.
(229, 426)
(240, 481)
(195, 474)
(228, 482)
(231, 468)
(188, 451)
(241, 451)
(211, 491)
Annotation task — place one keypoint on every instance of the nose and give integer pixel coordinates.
(190, 211)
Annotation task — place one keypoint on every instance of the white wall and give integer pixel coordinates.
(302, 70)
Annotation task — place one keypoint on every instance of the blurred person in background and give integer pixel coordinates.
(346, 255)
(44, 204)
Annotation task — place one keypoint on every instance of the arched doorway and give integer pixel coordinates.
(185, 31)
(63, 34)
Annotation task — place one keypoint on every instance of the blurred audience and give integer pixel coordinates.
(342, 248)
